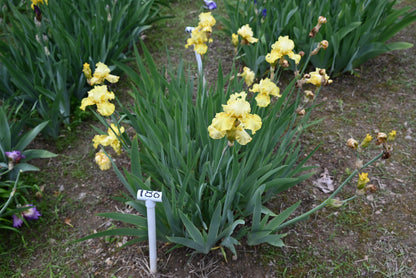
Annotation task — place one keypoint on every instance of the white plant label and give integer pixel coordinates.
(155, 196)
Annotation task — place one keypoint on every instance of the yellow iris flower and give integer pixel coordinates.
(198, 39)
(99, 96)
(110, 139)
(206, 22)
(102, 160)
(265, 89)
(201, 34)
(318, 78)
(101, 73)
(246, 34)
(282, 47)
(248, 76)
(234, 120)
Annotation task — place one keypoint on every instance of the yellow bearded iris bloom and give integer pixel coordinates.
(101, 73)
(99, 96)
(282, 47)
(318, 78)
(362, 180)
(37, 2)
(248, 76)
(237, 106)
(265, 89)
(234, 120)
(206, 22)
(198, 39)
(246, 34)
(201, 34)
(109, 140)
(102, 160)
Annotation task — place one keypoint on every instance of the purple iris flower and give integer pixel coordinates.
(15, 156)
(264, 12)
(210, 5)
(17, 222)
(30, 214)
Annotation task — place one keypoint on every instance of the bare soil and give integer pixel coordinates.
(375, 234)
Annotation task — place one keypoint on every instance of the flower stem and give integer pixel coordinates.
(11, 194)
(308, 213)
(219, 162)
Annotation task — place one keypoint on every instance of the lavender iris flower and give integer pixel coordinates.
(17, 222)
(29, 214)
(210, 5)
(15, 156)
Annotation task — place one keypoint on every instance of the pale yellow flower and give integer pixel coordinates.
(199, 40)
(248, 76)
(362, 180)
(99, 96)
(201, 34)
(102, 160)
(246, 34)
(111, 139)
(234, 120)
(206, 22)
(265, 89)
(282, 47)
(101, 73)
(318, 78)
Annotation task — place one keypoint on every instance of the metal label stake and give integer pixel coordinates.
(151, 197)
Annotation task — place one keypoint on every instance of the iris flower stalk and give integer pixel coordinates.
(328, 200)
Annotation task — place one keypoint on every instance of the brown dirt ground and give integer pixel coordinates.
(379, 229)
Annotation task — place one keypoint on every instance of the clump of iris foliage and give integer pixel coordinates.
(214, 191)
(15, 197)
(218, 152)
(357, 30)
(45, 43)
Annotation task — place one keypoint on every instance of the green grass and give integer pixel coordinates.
(45, 247)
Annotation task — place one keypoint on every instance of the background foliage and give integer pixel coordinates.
(356, 30)
(40, 62)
